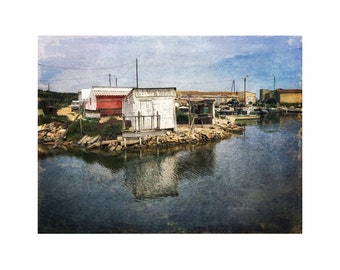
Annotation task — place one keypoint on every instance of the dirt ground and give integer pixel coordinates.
(66, 111)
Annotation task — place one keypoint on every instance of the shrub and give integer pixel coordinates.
(181, 117)
(111, 130)
(88, 127)
(46, 119)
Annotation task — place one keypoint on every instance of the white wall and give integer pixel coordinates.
(149, 102)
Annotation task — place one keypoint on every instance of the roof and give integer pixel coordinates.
(200, 99)
(209, 93)
(113, 91)
(151, 90)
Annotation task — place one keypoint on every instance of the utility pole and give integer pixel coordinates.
(116, 81)
(233, 86)
(110, 80)
(137, 72)
(244, 87)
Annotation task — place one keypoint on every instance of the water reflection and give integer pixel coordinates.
(250, 183)
(155, 174)
(151, 178)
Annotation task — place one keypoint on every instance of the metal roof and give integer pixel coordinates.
(116, 91)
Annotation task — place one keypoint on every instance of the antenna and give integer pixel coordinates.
(137, 72)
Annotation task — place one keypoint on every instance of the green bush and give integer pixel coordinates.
(111, 130)
(87, 127)
(181, 117)
(46, 119)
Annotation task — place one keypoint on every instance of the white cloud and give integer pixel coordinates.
(185, 62)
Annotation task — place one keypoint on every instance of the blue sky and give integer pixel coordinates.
(204, 63)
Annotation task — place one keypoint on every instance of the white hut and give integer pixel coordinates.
(150, 108)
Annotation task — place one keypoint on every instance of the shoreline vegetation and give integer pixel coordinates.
(105, 135)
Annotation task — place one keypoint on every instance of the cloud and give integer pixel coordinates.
(186, 62)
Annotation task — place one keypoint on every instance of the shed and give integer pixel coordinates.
(106, 100)
(83, 94)
(202, 110)
(150, 108)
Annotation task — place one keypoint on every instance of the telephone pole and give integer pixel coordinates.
(244, 87)
(137, 72)
(233, 87)
(116, 81)
(110, 80)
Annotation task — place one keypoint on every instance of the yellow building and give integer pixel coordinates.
(282, 96)
(289, 96)
(247, 97)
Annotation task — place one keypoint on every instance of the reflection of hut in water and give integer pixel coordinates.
(150, 179)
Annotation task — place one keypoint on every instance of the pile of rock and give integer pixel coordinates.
(182, 136)
(54, 133)
(50, 132)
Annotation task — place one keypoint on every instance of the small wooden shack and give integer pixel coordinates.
(150, 109)
(201, 110)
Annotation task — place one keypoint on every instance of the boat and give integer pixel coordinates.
(241, 118)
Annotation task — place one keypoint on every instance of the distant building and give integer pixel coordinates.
(83, 94)
(150, 108)
(220, 97)
(105, 101)
(265, 94)
(288, 96)
(282, 96)
(247, 97)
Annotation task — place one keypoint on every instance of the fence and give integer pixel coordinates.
(143, 122)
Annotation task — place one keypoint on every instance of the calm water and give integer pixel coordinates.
(249, 183)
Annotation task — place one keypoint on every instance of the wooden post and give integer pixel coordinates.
(139, 125)
(81, 127)
(189, 118)
(123, 123)
(143, 121)
(158, 123)
(135, 123)
(152, 119)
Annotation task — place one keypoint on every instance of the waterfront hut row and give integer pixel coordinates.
(142, 108)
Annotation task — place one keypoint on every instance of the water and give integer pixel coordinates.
(251, 183)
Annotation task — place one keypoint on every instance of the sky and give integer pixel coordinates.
(203, 63)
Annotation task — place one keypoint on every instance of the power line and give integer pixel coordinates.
(71, 79)
(84, 68)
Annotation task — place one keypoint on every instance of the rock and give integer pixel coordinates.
(108, 142)
(93, 145)
(82, 139)
(131, 142)
(93, 140)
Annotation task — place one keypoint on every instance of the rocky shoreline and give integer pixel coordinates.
(53, 135)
